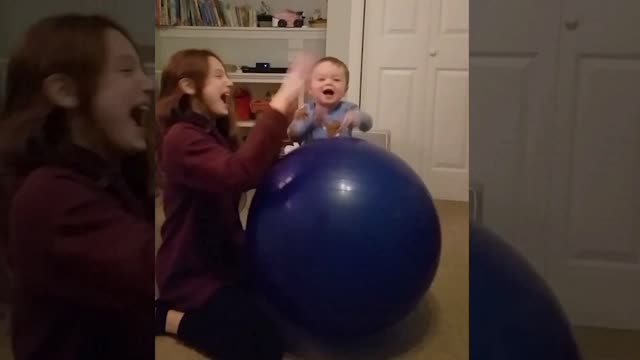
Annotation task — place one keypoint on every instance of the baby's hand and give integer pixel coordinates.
(321, 115)
(351, 120)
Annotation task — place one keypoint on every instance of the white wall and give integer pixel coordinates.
(17, 15)
(338, 24)
(345, 26)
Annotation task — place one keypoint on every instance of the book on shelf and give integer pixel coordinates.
(213, 13)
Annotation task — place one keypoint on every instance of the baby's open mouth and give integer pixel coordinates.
(328, 92)
(140, 113)
(225, 98)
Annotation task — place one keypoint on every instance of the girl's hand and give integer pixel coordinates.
(286, 99)
(301, 114)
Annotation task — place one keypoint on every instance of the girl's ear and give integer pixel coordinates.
(61, 91)
(187, 86)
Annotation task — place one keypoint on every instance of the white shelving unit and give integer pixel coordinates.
(248, 78)
(246, 46)
(255, 33)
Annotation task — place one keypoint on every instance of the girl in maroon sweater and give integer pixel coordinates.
(199, 265)
(80, 232)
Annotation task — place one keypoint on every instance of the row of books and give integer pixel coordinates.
(204, 13)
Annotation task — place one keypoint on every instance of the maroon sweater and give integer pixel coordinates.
(203, 179)
(81, 251)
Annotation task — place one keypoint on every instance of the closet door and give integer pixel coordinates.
(415, 84)
(445, 149)
(513, 51)
(594, 214)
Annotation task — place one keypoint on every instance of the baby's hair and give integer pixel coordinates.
(337, 62)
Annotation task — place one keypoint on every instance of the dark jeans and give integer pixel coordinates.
(232, 326)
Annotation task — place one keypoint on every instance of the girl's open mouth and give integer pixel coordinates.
(139, 113)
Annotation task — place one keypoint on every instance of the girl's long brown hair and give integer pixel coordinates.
(32, 129)
(172, 101)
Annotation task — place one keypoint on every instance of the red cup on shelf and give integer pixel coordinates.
(243, 106)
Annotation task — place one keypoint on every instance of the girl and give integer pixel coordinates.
(81, 240)
(199, 264)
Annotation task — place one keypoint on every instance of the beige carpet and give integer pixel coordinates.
(439, 329)
(608, 344)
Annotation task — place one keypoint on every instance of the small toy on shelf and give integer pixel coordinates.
(316, 20)
(316, 14)
(288, 18)
(265, 19)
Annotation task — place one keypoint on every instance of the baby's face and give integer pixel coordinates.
(328, 83)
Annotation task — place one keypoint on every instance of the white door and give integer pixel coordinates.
(594, 252)
(414, 83)
(513, 53)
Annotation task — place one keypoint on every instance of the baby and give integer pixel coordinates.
(328, 115)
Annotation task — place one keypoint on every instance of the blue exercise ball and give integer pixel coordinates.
(514, 314)
(343, 238)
